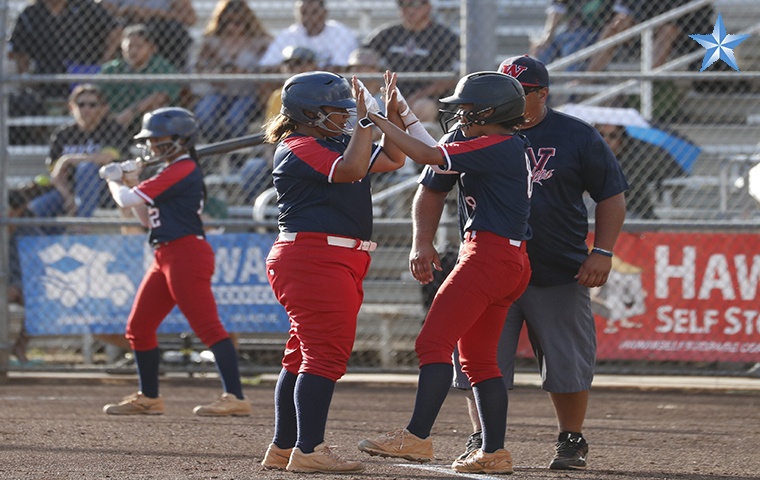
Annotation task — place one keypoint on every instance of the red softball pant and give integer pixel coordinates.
(471, 305)
(320, 287)
(179, 275)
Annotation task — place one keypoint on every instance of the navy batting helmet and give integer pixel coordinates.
(487, 91)
(304, 95)
(175, 122)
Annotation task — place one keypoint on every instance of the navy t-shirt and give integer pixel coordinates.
(307, 198)
(569, 157)
(175, 201)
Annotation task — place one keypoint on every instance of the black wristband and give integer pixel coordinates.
(602, 251)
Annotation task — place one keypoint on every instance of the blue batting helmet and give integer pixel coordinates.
(304, 95)
(488, 91)
(175, 122)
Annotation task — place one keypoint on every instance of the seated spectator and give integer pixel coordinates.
(570, 26)
(645, 166)
(62, 36)
(17, 207)
(128, 101)
(417, 44)
(332, 41)
(668, 38)
(294, 60)
(170, 21)
(77, 151)
(234, 42)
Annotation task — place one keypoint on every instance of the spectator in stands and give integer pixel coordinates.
(332, 41)
(418, 44)
(77, 151)
(169, 20)
(17, 207)
(294, 60)
(570, 26)
(234, 41)
(668, 38)
(128, 101)
(645, 166)
(62, 36)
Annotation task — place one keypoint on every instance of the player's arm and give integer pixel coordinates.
(427, 208)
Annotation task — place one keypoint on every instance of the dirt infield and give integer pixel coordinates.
(54, 429)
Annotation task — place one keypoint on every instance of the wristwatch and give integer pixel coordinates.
(365, 122)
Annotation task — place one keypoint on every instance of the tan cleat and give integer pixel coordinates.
(322, 460)
(224, 406)
(136, 404)
(400, 444)
(276, 458)
(479, 461)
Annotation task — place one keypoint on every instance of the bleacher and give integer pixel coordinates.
(736, 132)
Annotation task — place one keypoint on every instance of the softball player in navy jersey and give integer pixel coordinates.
(169, 204)
(317, 265)
(568, 157)
(492, 270)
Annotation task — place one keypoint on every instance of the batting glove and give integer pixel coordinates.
(111, 172)
(369, 101)
(407, 115)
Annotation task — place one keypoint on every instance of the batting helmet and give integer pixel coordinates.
(304, 95)
(487, 91)
(175, 122)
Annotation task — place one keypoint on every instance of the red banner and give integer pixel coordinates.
(679, 296)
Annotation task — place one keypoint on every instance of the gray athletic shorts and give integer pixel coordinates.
(563, 334)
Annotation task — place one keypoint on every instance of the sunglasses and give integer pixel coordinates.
(529, 90)
(89, 104)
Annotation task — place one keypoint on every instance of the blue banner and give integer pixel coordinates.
(77, 284)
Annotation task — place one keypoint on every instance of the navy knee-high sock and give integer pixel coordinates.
(147, 363)
(313, 396)
(491, 398)
(432, 388)
(285, 426)
(226, 359)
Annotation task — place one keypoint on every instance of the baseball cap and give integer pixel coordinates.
(527, 70)
(297, 54)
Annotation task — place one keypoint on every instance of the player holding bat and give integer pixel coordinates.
(169, 205)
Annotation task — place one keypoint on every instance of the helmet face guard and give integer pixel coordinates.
(493, 92)
(177, 123)
(304, 96)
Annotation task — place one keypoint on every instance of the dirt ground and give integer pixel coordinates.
(54, 429)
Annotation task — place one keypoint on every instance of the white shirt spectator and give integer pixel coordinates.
(333, 44)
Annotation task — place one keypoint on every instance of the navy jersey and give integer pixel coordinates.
(494, 179)
(307, 198)
(175, 201)
(569, 157)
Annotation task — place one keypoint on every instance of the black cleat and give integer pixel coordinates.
(475, 442)
(572, 450)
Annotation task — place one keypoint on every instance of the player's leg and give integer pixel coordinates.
(190, 286)
(506, 352)
(321, 289)
(152, 303)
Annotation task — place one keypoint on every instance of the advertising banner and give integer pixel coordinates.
(679, 297)
(78, 284)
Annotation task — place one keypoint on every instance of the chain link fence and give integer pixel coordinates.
(684, 287)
